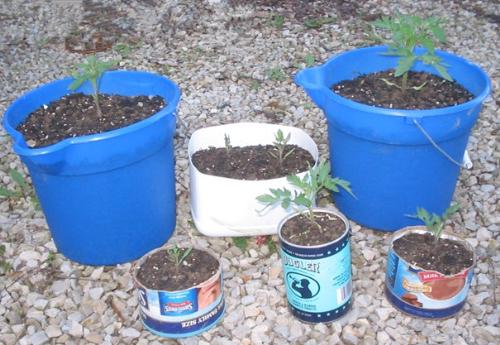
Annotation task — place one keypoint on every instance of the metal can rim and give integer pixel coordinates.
(319, 210)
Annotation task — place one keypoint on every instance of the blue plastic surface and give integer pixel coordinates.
(108, 198)
(391, 165)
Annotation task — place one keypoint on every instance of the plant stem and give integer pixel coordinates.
(404, 82)
(96, 98)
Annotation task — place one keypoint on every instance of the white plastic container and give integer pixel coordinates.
(222, 206)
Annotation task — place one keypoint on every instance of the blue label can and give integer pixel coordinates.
(425, 293)
(183, 313)
(318, 278)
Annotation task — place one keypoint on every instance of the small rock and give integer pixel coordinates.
(94, 338)
(369, 254)
(40, 304)
(252, 310)
(130, 333)
(483, 234)
(76, 329)
(29, 255)
(479, 298)
(274, 272)
(59, 287)
(39, 338)
(96, 293)
(482, 279)
(492, 319)
(348, 336)
(53, 331)
(383, 338)
(383, 313)
(417, 325)
(246, 300)
(487, 188)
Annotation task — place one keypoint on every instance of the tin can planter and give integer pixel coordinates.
(318, 278)
(181, 312)
(426, 292)
(222, 206)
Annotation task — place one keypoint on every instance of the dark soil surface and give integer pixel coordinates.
(158, 272)
(445, 256)
(302, 231)
(251, 162)
(75, 115)
(371, 89)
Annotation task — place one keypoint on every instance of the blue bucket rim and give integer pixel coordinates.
(21, 148)
(417, 113)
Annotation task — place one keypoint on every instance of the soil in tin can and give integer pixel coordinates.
(252, 162)
(446, 256)
(301, 230)
(76, 115)
(159, 272)
(371, 89)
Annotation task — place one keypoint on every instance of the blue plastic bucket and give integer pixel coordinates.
(395, 159)
(318, 279)
(108, 198)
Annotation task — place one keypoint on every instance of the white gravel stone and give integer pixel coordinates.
(39, 338)
(96, 293)
(483, 234)
(53, 331)
(130, 333)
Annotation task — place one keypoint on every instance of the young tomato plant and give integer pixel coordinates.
(317, 178)
(280, 142)
(227, 143)
(92, 70)
(407, 32)
(435, 223)
(178, 255)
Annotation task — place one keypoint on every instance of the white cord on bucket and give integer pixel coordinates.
(467, 163)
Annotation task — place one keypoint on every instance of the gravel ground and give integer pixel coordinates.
(221, 54)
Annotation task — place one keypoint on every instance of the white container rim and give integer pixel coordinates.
(201, 131)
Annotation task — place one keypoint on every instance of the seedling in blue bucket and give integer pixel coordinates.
(91, 70)
(406, 33)
(317, 178)
(434, 222)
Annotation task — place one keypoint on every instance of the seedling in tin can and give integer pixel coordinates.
(317, 178)
(435, 223)
(178, 255)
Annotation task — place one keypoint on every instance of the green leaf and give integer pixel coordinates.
(240, 242)
(271, 245)
(309, 60)
(185, 254)
(77, 82)
(404, 65)
(19, 179)
(4, 192)
(443, 72)
(266, 199)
